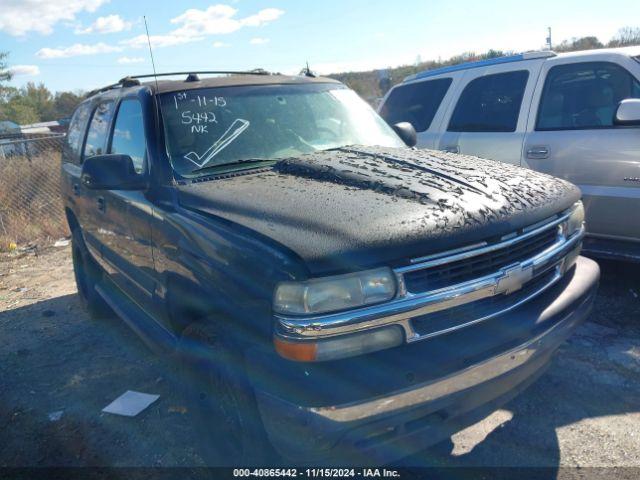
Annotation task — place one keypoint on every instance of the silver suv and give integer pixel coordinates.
(571, 115)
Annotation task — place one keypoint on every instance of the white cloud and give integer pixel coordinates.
(219, 20)
(129, 60)
(26, 70)
(262, 17)
(194, 25)
(215, 20)
(76, 50)
(258, 41)
(18, 17)
(220, 45)
(158, 41)
(108, 24)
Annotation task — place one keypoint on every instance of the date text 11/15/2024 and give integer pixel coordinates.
(317, 472)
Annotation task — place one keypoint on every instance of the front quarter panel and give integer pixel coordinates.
(216, 270)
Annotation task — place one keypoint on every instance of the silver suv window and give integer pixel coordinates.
(490, 103)
(584, 95)
(416, 103)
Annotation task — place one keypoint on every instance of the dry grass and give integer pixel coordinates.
(31, 208)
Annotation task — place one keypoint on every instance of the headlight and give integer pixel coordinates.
(330, 294)
(575, 220)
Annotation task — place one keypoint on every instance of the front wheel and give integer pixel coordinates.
(87, 275)
(226, 417)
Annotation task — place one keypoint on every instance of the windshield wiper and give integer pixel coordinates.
(244, 161)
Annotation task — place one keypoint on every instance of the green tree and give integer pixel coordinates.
(5, 74)
(39, 99)
(21, 113)
(65, 103)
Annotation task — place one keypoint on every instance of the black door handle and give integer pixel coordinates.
(102, 205)
(76, 189)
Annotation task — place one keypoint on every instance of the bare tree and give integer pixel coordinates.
(625, 37)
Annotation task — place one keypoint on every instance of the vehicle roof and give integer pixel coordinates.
(164, 86)
(545, 55)
(627, 51)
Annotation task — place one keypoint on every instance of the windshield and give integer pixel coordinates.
(215, 126)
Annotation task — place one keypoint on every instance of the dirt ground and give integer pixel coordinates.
(585, 411)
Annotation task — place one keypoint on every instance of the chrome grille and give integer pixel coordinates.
(452, 273)
(477, 282)
(437, 322)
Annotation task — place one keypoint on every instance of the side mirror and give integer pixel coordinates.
(406, 132)
(111, 172)
(628, 112)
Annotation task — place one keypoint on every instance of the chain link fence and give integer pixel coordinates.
(30, 203)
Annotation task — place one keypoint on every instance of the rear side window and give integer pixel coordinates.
(98, 130)
(490, 103)
(75, 134)
(128, 133)
(416, 103)
(584, 95)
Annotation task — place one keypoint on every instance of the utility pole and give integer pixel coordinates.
(549, 44)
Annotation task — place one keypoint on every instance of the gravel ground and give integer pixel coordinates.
(584, 411)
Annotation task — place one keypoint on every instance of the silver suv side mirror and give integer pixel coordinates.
(628, 112)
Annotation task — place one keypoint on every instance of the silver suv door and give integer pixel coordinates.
(571, 135)
(489, 118)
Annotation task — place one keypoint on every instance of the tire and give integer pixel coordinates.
(225, 414)
(87, 273)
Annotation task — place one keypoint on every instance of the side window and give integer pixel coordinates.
(416, 103)
(128, 133)
(75, 134)
(584, 95)
(98, 130)
(490, 103)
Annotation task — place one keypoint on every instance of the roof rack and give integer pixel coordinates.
(192, 76)
(255, 71)
(482, 63)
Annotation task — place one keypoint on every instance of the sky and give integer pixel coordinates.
(83, 44)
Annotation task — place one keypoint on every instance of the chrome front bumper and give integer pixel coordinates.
(406, 305)
(396, 424)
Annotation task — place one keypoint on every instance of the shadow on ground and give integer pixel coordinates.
(54, 358)
(584, 410)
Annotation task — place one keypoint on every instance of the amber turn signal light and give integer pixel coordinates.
(298, 351)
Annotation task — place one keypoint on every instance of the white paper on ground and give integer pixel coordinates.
(130, 403)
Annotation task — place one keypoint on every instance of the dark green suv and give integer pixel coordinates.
(340, 295)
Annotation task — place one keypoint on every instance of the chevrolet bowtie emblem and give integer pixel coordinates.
(513, 278)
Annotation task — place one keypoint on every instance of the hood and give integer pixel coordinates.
(354, 208)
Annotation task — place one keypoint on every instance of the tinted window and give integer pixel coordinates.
(128, 133)
(98, 130)
(416, 103)
(75, 134)
(490, 103)
(584, 95)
